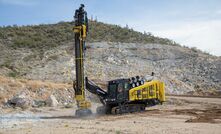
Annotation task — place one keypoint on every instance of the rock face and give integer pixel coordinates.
(20, 100)
(52, 101)
(184, 70)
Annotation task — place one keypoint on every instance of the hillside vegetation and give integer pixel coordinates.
(52, 35)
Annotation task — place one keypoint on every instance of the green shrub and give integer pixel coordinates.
(39, 37)
(13, 74)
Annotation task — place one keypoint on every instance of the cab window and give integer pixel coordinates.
(126, 86)
(120, 87)
(112, 90)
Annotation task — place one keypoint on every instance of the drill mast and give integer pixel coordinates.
(80, 30)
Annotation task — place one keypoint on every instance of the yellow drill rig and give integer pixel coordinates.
(122, 95)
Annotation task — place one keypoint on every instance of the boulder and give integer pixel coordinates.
(38, 103)
(51, 101)
(20, 100)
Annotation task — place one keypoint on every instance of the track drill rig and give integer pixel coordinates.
(122, 95)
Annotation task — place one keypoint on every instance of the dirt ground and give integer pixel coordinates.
(179, 115)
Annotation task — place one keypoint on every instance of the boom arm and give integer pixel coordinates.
(94, 89)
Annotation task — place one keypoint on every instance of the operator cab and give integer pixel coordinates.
(118, 90)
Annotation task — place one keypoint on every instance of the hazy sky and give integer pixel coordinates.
(194, 23)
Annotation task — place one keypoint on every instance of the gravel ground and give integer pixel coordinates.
(179, 115)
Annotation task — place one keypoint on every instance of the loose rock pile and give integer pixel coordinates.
(20, 100)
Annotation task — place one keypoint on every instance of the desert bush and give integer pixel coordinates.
(51, 35)
(13, 74)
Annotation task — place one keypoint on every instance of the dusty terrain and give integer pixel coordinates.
(180, 115)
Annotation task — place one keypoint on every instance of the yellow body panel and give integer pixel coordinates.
(77, 29)
(162, 92)
(81, 102)
(82, 30)
(79, 97)
(149, 90)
